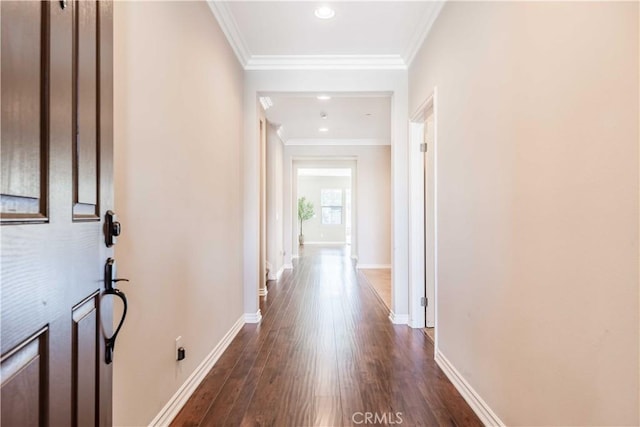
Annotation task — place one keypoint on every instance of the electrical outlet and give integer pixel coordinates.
(178, 345)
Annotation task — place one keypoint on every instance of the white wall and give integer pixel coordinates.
(393, 82)
(314, 230)
(372, 197)
(275, 242)
(537, 122)
(178, 130)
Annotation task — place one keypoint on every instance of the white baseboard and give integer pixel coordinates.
(418, 324)
(253, 317)
(177, 401)
(479, 406)
(275, 275)
(288, 266)
(398, 319)
(415, 324)
(263, 291)
(373, 266)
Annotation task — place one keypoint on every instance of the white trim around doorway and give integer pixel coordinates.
(417, 318)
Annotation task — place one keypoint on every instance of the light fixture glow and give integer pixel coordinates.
(266, 102)
(324, 12)
(323, 97)
(323, 130)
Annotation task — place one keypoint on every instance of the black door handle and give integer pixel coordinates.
(109, 280)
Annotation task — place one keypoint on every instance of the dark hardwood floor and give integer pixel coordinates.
(324, 355)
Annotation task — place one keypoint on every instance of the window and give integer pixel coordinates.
(331, 202)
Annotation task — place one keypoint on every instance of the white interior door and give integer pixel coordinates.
(429, 218)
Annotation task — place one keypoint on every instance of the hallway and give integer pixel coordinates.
(325, 352)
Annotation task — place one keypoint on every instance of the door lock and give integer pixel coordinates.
(112, 228)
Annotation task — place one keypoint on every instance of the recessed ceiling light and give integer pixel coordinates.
(323, 130)
(323, 97)
(324, 12)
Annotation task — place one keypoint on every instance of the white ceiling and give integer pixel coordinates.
(351, 120)
(363, 34)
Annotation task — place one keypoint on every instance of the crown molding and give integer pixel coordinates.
(223, 15)
(325, 62)
(230, 29)
(421, 34)
(335, 141)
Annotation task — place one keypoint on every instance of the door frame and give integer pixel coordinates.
(262, 131)
(417, 234)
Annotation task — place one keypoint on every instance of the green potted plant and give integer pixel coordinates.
(305, 212)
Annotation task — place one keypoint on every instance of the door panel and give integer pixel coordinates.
(85, 111)
(57, 184)
(23, 110)
(24, 393)
(86, 336)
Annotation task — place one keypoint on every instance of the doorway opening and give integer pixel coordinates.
(429, 223)
(307, 130)
(423, 218)
(323, 205)
(264, 266)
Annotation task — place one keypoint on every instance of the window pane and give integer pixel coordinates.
(331, 197)
(331, 215)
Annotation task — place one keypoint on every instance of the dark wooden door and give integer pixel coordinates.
(56, 185)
